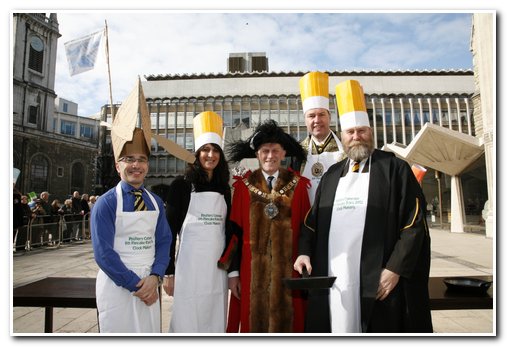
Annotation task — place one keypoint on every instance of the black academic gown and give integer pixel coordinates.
(395, 237)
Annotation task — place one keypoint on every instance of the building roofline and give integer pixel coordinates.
(167, 77)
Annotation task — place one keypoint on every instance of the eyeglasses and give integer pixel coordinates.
(132, 160)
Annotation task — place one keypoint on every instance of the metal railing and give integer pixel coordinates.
(67, 228)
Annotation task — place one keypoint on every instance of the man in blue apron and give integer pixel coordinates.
(323, 146)
(131, 241)
(368, 228)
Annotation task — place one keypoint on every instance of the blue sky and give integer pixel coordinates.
(169, 42)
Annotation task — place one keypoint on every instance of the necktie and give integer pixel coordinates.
(139, 203)
(270, 182)
(355, 167)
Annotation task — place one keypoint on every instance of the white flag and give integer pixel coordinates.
(82, 53)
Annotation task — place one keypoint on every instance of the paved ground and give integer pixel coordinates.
(457, 254)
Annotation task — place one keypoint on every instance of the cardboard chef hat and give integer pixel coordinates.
(351, 105)
(125, 136)
(136, 145)
(208, 128)
(314, 88)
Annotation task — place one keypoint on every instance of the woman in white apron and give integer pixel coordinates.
(345, 242)
(197, 210)
(317, 164)
(119, 310)
(200, 287)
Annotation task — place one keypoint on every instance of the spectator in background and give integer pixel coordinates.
(38, 228)
(76, 211)
(23, 229)
(17, 211)
(44, 200)
(66, 211)
(92, 201)
(85, 213)
(27, 211)
(54, 234)
(76, 202)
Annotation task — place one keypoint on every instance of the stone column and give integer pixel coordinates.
(484, 68)
(457, 211)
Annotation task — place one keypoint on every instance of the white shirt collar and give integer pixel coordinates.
(275, 175)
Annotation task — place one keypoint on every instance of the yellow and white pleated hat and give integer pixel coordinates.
(351, 105)
(314, 88)
(208, 128)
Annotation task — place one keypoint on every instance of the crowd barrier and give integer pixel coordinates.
(38, 234)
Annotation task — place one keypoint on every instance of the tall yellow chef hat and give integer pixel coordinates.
(351, 105)
(314, 87)
(208, 128)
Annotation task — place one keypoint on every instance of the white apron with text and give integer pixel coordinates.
(200, 287)
(313, 171)
(345, 240)
(119, 310)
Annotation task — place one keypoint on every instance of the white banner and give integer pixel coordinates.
(82, 53)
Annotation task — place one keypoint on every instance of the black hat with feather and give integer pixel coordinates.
(267, 132)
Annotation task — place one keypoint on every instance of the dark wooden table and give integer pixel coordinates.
(56, 292)
(80, 293)
(442, 298)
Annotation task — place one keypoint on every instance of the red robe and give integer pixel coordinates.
(269, 249)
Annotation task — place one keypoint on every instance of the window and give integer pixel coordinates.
(86, 131)
(236, 64)
(68, 128)
(259, 64)
(32, 114)
(190, 143)
(39, 174)
(59, 171)
(36, 57)
(65, 107)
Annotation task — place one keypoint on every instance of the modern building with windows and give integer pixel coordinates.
(68, 123)
(401, 105)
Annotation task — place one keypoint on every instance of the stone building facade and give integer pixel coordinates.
(48, 159)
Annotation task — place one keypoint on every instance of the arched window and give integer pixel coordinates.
(77, 177)
(39, 174)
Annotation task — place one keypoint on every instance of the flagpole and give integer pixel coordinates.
(109, 74)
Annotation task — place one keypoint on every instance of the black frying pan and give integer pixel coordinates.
(467, 284)
(307, 282)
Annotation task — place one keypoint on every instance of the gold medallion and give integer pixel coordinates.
(317, 169)
(271, 210)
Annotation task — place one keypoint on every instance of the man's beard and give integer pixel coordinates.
(359, 150)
